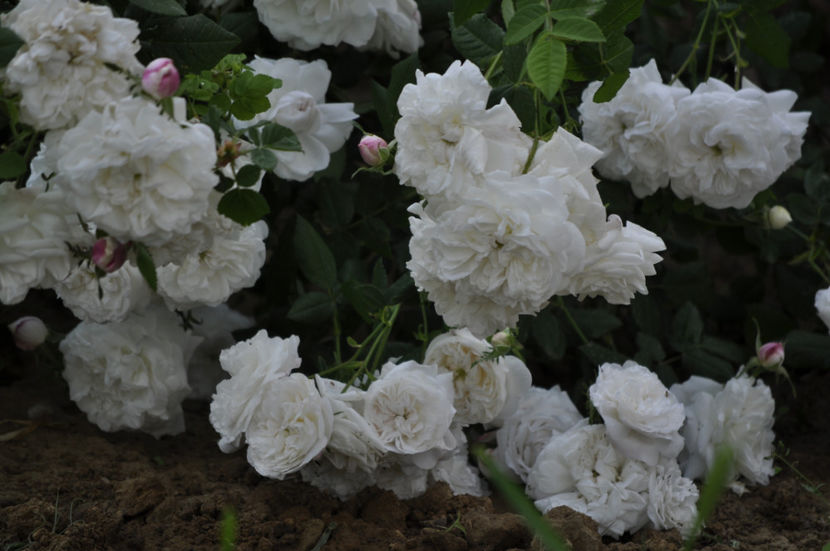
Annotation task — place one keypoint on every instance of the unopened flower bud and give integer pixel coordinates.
(502, 338)
(228, 152)
(108, 254)
(370, 146)
(778, 217)
(160, 78)
(771, 354)
(29, 332)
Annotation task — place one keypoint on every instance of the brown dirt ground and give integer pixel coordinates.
(68, 486)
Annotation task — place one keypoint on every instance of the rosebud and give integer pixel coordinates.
(370, 146)
(778, 217)
(160, 78)
(29, 332)
(502, 338)
(228, 152)
(108, 254)
(771, 354)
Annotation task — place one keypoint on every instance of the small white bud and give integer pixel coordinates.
(778, 217)
(29, 332)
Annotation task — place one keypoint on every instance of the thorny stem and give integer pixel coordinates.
(810, 256)
(736, 49)
(572, 321)
(696, 45)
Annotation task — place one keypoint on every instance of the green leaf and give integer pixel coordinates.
(507, 11)
(649, 350)
(314, 307)
(462, 10)
(365, 298)
(766, 38)
(598, 354)
(595, 323)
(247, 108)
(264, 158)
(12, 165)
(161, 7)
(549, 335)
(687, 327)
(250, 85)
(403, 72)
(610, 87)
(578, 28)
(194, 42)
(248, 175)
(379, 278)
(243, 206)
(647, 314)
(702, 363)
(725, 349)
(478, 39)
(9, 44)
(524, 23)
(145, 265)
(279, 137)
(313, 255)
(618, 52)
(546, 64)
(617, 14)
(575, 8)
(807, 350)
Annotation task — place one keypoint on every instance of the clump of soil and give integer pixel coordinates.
(68, 486)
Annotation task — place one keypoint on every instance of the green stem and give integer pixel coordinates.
(536, 123)
(336, 322)
(570, 123)
(711, 55)
(425, 325)
(572, 321)
(696, 44)
(492, 66)
(736, 49)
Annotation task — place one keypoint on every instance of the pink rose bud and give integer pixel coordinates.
(29, 332)
(370, 146)
(160, 78)
(771, 354)
(108, 254)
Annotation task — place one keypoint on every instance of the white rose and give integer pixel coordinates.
(109, 298)
(290, 427)
(580, 468)
(324, 475)
(485, 390)
(729, 145)
(398, 474)
(642, 417)
(299, 104)
(697, 395)
(672, 499)
(397, 28)
(410, 408)
(209, 276)
(446, 136)
(62, 69)
(459, 475)
(617, 263)
(130, 374)
(307, 24)
(254, 365)
(541, 415)
(502, 252)
(822, 304)
(630, 129)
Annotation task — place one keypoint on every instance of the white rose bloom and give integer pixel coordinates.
(697, 395)
(324, 475)
(459, 475)
(822, 304)
(398, 474)
(485, 390)
(409, 407)
(130, 374)
(617, 263)
(215, 325)
(446, 136)
(110, 298)
(729, 145)
(33, 227)
(397, 28)
(672, 499)
(208, 277)
(254, 365)
(502, 252)
(290, 427)
(631, 128)
(61, 71)
(136, 173)
(641, 416)
(541, 415)
(307, 24)
(747, 409)
(583, 470)
(299, 104)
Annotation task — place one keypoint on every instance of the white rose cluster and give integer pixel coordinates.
(389, 25)
(717, 145)
(822, 304)
(503, 229)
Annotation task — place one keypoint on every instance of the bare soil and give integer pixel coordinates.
(66, 485)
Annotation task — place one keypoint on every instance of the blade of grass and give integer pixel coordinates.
(521, 503)
(227, 537)
(711, 493)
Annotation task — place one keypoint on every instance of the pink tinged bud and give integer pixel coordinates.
(108, 254)
(160, 78)
(771, 354)
(370, 146)
(29, 332)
